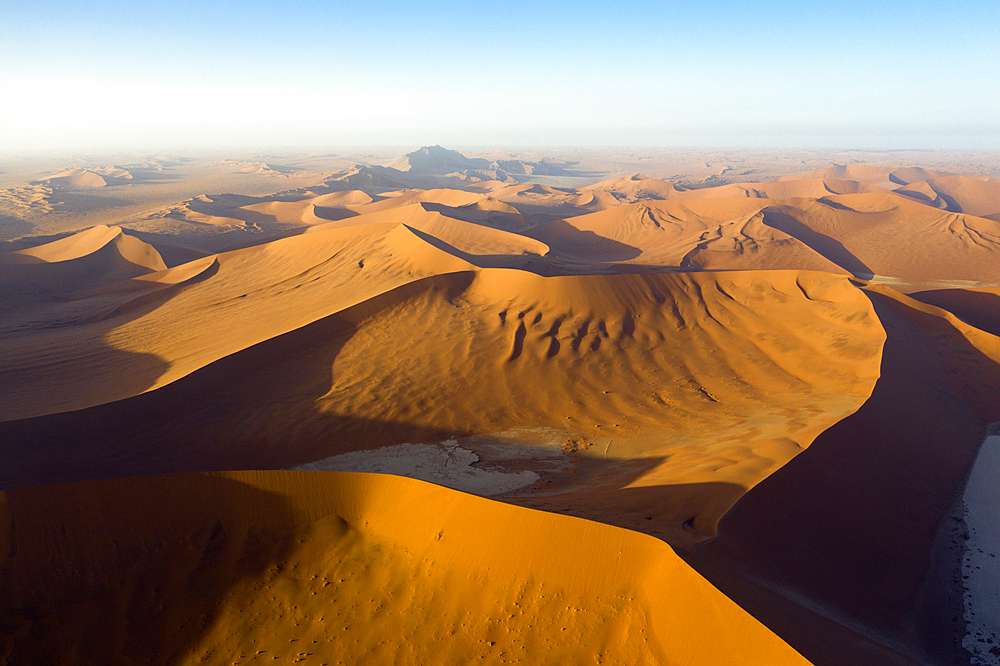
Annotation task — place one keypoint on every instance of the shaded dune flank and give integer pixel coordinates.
(860, 522)
(357, 567)
(958, 194)
(89, 259)
(252, 295)
(978, 307)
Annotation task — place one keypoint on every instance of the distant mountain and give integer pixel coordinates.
(369, 179)
(438, 161)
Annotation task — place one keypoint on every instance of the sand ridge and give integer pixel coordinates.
(360, 567)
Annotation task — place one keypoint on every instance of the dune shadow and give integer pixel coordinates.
(828, 247)
(581, 243)
(532, 263)
(11, 228)
(976, 308)
(829, 202)
(131, 570)
(492, 219)
(859, 523)
(334, 214)
(679, 514)
(42, 312)
(255, 409)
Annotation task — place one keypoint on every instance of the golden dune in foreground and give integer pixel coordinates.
(327, 567)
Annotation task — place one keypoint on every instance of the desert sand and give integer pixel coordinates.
(355, 568)
(778, 370)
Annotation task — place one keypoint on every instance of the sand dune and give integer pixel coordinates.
(87, 242)
(359, 568)
(75, 178)
(958, 194)
(867, 173)
(407, 197)
(481, 245)
(860, 522)
(883, 235)
(867, 235)
(813, 188)
(693, 235)
(295, 213)
(83, 262)
(87, 178)
(634, 188)
(640, 188)
(201, 323)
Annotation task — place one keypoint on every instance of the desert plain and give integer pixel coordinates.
(540, 407)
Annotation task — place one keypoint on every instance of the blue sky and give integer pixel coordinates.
(183, 75)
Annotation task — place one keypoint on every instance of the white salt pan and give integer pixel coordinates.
(445, 464)
(981, 561)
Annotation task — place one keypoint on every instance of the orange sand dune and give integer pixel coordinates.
(492, 213)
(295, 213)
(700, 234)
(732, 369)
(245, 566)
(958, 194)
(81, 357)
(867, 173)
(869, 235)
(478, 244)
(87, 242)
(438, 196)
(903, 243)
(340, 199)
(812, 188)
(640, 188)
(635, 188)
(678, 392)
(281, 212)
(860, 523)
(84, 261)
(75, 178)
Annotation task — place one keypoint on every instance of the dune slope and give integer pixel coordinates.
(860, 522)
(350, 568)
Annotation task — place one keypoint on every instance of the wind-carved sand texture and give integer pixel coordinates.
(780, 368)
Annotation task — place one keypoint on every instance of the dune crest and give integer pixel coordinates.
(362, 568)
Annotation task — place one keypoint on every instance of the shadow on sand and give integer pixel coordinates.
(828, 247)
(130, 570)
(859, 523)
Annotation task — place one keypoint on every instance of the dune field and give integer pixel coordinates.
(721, 413)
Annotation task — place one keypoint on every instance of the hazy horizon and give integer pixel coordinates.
(847, 75)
